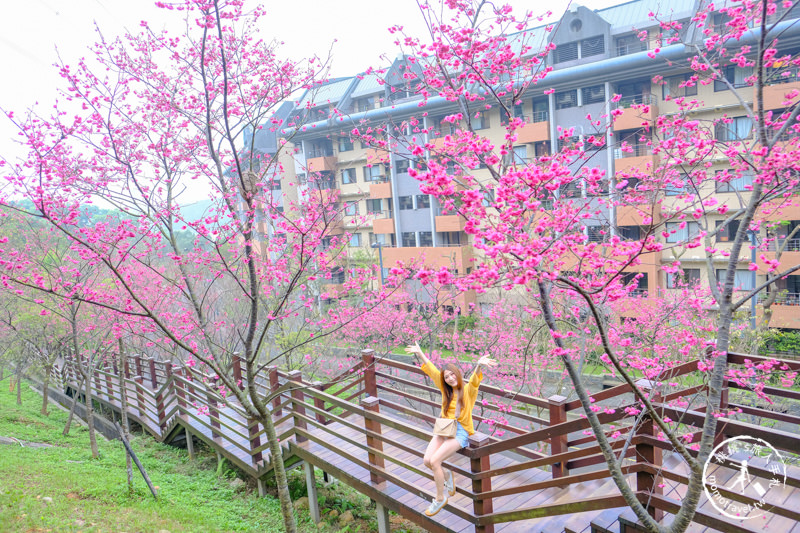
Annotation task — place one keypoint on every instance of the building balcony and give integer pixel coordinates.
(636, 156)
(383, 225)
(453, 222)
(537, 129)
(320, 164)
(775, 95)
(785, 310)
(380, 190)
(637, 111)
(377, 156)
(458, 256)
(783, 210)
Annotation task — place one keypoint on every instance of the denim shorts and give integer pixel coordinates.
(461, 435)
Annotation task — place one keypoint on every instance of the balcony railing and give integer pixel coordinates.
(540, 116)
(636, 99)
(633, 150)
(792, 245)
(320, 152)
(630, 47)
(783, 298)
(783, 75)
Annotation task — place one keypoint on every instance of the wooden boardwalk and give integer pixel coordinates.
(371, 435)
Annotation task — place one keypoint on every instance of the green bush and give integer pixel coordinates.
(777, 341)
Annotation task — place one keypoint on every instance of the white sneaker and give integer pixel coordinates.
(449, 483)
(435, 507)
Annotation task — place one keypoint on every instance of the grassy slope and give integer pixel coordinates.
(92, 495)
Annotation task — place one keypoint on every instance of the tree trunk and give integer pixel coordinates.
(19, 383)
(72, 408)
(123, 401)
(287, 509)
(46, 388)
(90, 412)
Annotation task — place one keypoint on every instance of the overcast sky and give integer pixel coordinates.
(31, 31)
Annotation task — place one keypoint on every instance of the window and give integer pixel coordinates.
(738, 129)
(516, 111)
(379, 238)
(567, 142)
(520, 155)
(728, 233)
(423, 201)
(593, 46)
(402, 165)
(597, 233)
(637, 278)
(676, 189)
(488, 198)
(689, 278)
(630, 233)
(355, 240)
(348, 175)
(733, 183)
(345, 144)
(374, 206)
(567, 99)
(351, 208)
(630, 44)
(742, 279)
(689, 231)
(451, 238)
(595, 94)
(406, 202)
(425, 238)
(275, 184)
(367, 103)
(409, 239)
(735, 75)
(374, 173)
(540, 110)
(480, 121)
(675, 87)
(566, 52)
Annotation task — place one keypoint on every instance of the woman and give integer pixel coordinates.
(458, 400)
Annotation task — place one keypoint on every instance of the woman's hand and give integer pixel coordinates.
(413, 349)
(487, 362)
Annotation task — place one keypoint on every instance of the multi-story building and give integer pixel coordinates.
(598, 54)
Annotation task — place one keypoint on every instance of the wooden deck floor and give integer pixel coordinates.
(334, 448)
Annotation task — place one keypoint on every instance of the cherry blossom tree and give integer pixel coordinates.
(146, 120)
(544, 228)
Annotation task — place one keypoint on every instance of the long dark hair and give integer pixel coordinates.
(447, 397)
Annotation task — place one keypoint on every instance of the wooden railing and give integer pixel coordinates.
(376, 416)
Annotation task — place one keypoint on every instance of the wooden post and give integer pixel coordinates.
(140, 397)
(319, 403)
(383, 518)
(137, 359)
(213, 413)
(478, 465)
(648, 454)
(255, 440)
(189, 443)
(109, 384)
(127, 368)
(296, 377)
(153, 377)
(179, 392)
(371, 404)
(274, 383)
(311, 487)
(558, 444)
(370, 384)
(236, 363)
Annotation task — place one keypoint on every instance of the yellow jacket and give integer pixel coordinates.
(470, 395)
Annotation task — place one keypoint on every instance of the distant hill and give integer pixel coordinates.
(196, 211)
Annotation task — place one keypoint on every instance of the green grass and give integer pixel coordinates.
(92, 495)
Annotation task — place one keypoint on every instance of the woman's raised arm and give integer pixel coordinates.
(415, 349)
